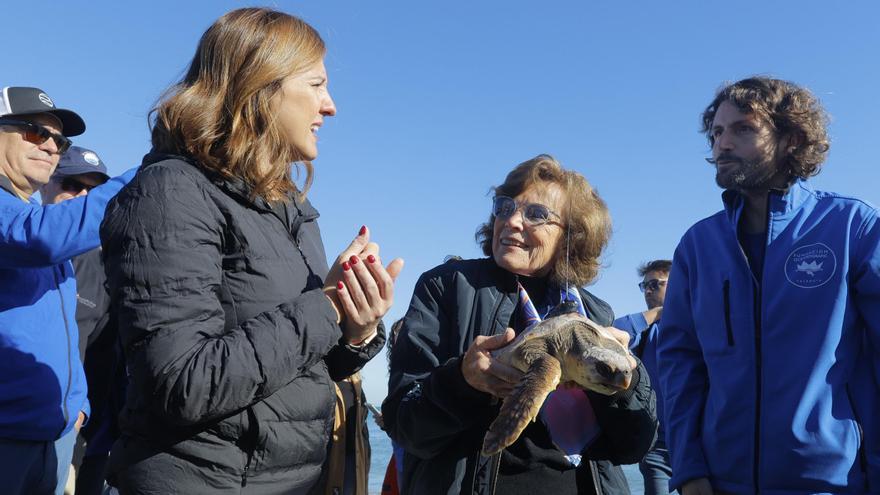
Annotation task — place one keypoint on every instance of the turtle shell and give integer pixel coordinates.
(564, 348)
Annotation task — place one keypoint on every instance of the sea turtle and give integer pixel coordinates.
(565, 347)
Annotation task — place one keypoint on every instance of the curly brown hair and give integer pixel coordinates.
(789, 110)
(221, 114)
(587, 224)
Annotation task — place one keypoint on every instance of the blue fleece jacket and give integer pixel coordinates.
(42, 385)
(771, 387)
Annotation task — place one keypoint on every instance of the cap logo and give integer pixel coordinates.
(91, 158)
(46, 100)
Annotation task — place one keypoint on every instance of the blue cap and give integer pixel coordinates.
(78, 160)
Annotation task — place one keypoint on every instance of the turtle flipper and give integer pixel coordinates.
(523, 404)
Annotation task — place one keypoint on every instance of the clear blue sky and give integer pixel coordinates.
(439, 100)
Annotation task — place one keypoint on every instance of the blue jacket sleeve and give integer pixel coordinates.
(683, 376)
(34, 236)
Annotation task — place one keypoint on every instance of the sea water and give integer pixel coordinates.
(380, 446)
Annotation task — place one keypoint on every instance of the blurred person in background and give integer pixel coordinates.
(79, 171)
(642, 328)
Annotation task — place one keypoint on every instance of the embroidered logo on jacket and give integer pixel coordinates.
(810, 266)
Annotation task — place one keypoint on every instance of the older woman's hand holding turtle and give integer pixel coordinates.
(624, 339)
(485, 373)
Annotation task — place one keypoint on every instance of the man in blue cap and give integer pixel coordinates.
(42, 384)
(79, 171)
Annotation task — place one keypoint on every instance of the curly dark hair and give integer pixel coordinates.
(663, 266)
(789, 110)
(587, 224)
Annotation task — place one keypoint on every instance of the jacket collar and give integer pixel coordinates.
(781, 202)
(299, 211)
(6, 185)
(506, 284)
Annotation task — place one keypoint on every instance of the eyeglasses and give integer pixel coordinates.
(653, 284)
(37, 134)
(71, 185)
(534, 214)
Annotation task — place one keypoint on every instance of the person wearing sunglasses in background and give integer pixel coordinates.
(543, 240)
(42, 384)
(642, 328)
(78, 172)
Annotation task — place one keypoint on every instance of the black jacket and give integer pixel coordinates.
(99, 350)
(231, 346)
(440, 420)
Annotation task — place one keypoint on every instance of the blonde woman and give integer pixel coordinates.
(233, 326)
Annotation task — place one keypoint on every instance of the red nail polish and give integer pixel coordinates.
(346, 266)
(353, 260)
(340, 285)
(363, 230)
(371, 258)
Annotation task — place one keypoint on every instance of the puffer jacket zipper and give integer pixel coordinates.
(249, 444)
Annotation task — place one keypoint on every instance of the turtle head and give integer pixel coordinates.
(598, 361)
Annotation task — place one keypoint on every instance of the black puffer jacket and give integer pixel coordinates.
(440, 420)
(231, 345)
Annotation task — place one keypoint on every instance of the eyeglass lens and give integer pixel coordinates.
(37, 134)
(652, 284)
(533, 213)
(73, 185)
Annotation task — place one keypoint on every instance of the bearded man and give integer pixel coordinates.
(771, 322)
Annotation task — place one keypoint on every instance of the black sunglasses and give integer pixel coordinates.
(654, 284)
(534, 214)
(71, 185)
(37, 134)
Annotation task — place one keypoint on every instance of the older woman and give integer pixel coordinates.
(233, 327)
(544, 236)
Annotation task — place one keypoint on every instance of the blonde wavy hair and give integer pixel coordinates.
(587, 223)
(220, 113)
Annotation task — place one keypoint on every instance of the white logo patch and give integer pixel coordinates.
(46, 100)
(810, 266)
(91, 158)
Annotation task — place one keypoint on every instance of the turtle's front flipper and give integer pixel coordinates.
(523, 404)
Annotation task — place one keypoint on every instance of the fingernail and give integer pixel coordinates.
(363, 230)
(346, 266)
(340, 285)
(371, 258)
(353, 260)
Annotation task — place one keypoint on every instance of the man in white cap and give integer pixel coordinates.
(42, 385)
